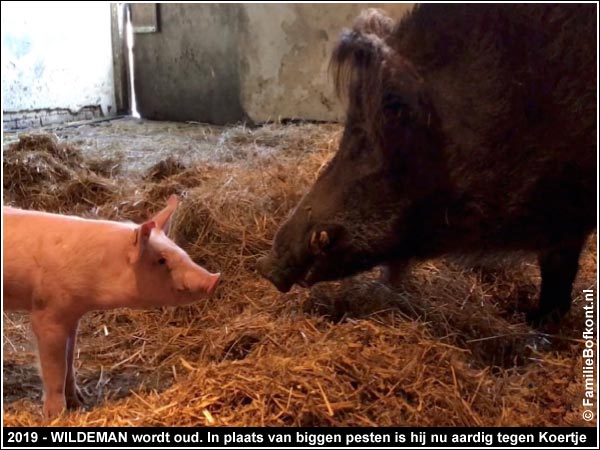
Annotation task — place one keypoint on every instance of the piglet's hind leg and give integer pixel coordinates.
(74, 397)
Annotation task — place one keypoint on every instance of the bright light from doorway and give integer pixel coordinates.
(130, 43)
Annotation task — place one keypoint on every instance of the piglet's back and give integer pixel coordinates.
(45, 253)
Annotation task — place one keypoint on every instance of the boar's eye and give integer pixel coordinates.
(396, 108)
(162, 261)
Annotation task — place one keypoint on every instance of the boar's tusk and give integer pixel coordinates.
(314, 245)
(317, 244)
(323, 239)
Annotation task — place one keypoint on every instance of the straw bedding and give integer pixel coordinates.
(449, 347)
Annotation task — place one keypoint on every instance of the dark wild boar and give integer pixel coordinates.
(470, 129)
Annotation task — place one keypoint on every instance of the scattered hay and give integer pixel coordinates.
(42, 173)
(164, 169)
(447, 348)
(49, 144)
(106, 167)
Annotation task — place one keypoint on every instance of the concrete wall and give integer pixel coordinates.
(189, 70)
(56, 61)
(231, 62)
(286, 52)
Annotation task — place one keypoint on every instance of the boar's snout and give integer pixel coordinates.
(297, 262)
(271, 272)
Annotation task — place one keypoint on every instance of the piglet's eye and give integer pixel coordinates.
(162, 261)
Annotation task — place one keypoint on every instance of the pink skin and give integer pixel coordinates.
(60, 267)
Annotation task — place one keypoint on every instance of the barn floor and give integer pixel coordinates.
(448, 348)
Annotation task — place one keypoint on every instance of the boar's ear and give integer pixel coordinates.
(359, 50)
(374, 21)
(163, 218)
(141, 235)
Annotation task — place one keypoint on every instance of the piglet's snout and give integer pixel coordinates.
(201, 281)
(214, 283)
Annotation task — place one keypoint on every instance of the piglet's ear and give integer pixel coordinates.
(141, 235)
(163, 218)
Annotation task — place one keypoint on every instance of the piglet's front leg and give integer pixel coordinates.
(52, 335)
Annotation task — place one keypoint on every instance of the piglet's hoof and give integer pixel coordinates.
(53, 409)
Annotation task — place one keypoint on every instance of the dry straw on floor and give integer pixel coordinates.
(447, 348)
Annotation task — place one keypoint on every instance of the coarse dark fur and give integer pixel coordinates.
(470, 129)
